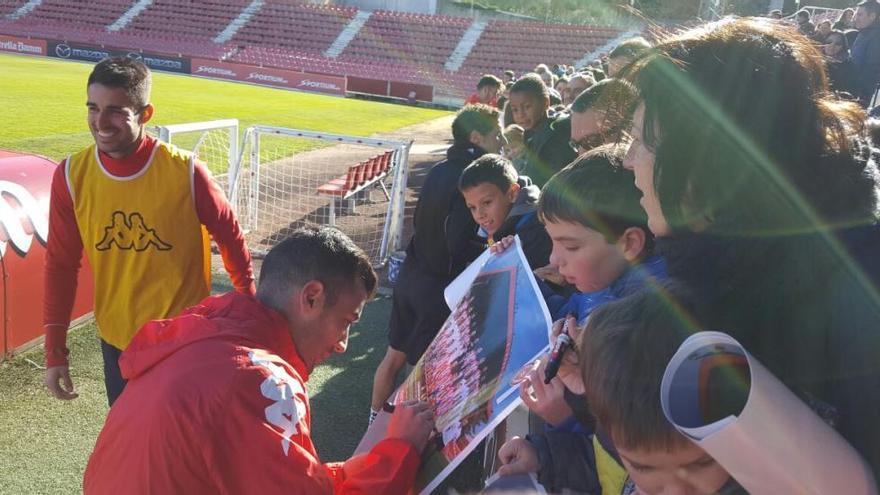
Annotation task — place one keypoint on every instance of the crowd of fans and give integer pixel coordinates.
(722, 179)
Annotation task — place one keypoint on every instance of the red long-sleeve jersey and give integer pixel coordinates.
(64, 247)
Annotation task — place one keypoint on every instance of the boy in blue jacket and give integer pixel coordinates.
(602, 246)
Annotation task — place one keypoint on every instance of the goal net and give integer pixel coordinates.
(214, 142)
(289, 178)
(280, 179)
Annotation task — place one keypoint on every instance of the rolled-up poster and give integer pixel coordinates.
(719, 396)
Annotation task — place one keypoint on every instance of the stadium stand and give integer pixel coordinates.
(94, 15)
(295, 27)
(197, 20)
(8, 7)
(415, 40)
(395, 46)
(521, 46)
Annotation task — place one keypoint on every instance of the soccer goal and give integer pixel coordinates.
(280, 179)
(289, 178)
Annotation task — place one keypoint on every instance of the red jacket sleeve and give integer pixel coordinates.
(262, 443)
(63, 253)
(390, 467)
(216, 214)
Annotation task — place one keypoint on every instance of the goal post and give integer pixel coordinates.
(288, 178)
(215, 142)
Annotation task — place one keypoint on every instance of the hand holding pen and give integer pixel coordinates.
(568, 369)
(560, 347)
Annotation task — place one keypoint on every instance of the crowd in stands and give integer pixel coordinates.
(721, 179)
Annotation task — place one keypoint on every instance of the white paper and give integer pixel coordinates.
(459, 287)
(499, 322)
(776, 444)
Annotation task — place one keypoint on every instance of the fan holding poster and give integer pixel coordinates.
(499, 323)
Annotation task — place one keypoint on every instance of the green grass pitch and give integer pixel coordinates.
(43, 106)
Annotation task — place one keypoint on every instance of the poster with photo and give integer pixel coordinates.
(498, 325)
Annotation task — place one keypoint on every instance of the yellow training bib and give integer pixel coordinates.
(148, 250)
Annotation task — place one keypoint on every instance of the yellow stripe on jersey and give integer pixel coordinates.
(612, 476)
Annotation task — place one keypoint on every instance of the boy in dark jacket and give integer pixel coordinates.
(546, 138)
(504, 203)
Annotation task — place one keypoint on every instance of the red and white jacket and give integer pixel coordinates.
(216, 403)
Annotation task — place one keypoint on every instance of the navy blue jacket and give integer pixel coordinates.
(866, 59)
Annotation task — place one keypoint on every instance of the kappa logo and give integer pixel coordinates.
(63, 50)
(130, 232)
(18, 226)
(288, 409)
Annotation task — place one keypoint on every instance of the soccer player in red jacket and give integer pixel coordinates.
(216, 399)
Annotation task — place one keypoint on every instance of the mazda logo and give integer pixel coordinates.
(134, 56)
(62, 50)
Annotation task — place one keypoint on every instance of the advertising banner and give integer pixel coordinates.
(22, 45)
(89, 53)
(269, 76)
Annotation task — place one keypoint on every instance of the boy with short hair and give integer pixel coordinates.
(546, 138)
(601, 246)
(504, 203)
(599, 230)
(624, 352)
(488, 88)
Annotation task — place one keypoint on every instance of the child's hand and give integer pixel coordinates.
(518, 456)
(570, 369)
(550, 274)
(545, 400)
(500, 246)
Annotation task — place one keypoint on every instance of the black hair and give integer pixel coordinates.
(314, 253)
(532, 84)
(489, 168)
(597, 192)
(476, 117)
(769, 154)
(837, 32)
(606, 92)
(624, 352)
(489, 80)
(128, 74)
